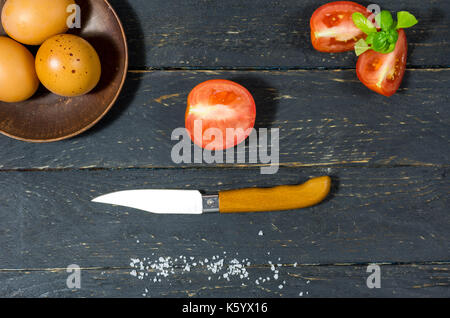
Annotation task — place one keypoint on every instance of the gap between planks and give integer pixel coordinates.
(359, 264)
(145, 69)
(344, 164)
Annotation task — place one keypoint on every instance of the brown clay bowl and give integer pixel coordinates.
(47, 117)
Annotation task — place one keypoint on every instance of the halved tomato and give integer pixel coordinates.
(332, 27)
(383, 73)
(220, 114)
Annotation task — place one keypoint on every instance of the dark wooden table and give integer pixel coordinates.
(389, 159)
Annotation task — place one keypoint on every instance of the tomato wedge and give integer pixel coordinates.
(383, 73)
(220, 114)
(332, 27)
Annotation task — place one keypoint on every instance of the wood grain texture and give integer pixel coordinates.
(373, 215)
(392, 216)
(388, 158)
(324, 117)
(260, 34)
(302, 281)
(279, 198)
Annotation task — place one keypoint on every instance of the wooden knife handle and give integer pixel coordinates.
(275, 199)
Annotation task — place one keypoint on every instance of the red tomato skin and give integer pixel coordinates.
(322, 22)
(383, 73)
(245, 120)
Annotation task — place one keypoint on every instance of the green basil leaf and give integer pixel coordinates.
(405, 20)
(378, 20)
(380, 42)
(391, 48)
(392, 36)
(363, 23)
(370, 37)
(385, 21)
(361, 46)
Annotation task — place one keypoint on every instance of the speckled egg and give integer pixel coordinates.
(68, 65)
(34, 21)
(18, 80)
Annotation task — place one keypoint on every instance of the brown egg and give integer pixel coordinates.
(18, 80)
(32, 22)
(68, 65)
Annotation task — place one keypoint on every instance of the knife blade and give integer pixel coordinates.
(286, 197)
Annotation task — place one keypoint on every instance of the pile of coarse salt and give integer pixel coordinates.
(162, 267)
(156, 269)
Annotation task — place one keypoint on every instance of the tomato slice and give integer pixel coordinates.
(383, 73)
(332, 27)
(220, 114)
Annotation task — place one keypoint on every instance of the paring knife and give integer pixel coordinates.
(288, 197)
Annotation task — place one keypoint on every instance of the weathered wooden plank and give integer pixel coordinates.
(388, 158)
(373, 215)
(259, 33)
(324, 117)
(302, 281)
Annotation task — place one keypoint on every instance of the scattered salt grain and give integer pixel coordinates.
(158, 268)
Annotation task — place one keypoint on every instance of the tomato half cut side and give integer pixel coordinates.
(332, 27)
(383, 73)
(220, 114)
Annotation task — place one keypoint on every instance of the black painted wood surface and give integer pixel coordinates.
(322, 117)
(260, 34)
(389, 160)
